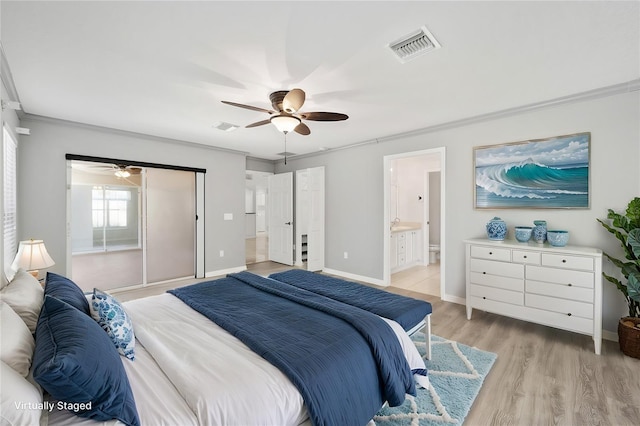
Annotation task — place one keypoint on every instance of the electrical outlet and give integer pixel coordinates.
(346, 255)
(221, 253)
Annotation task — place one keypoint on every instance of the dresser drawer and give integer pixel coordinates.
(567, 307)
(561, 320)
(503, 269)
(560, 276)
(507, 283)
(580, 294)
(501, 295)
(526, 257)
(493, 253)
(569, 262)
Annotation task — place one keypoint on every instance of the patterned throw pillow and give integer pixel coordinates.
(113, 319)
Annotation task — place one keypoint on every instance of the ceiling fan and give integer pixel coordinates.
(286, 114)
(122, 171)
(119, 170)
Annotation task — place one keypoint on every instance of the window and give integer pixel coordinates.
(109, 207)
(9, 219)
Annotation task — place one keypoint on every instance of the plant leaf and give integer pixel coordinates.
(618, 284)
(633, 287)
(633, 212)
(633, 240)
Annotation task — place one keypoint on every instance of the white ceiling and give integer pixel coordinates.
(162, 68)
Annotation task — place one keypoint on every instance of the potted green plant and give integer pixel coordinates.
(626, 228)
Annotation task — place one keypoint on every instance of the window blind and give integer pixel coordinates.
(9, 219)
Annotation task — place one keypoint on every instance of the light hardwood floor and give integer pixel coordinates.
(542, 376)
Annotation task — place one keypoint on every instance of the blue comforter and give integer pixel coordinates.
(406, 311)
(344, 361)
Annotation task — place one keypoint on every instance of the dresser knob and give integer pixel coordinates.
(569, 284)
(490, 253)
(485, 298)
(484, 273)
(524, 257)
(569, 314)
(564, 260)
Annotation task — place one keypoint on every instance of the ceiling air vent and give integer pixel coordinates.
(413, 45)
(226, 127)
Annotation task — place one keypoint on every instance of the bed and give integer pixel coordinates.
(187, 368)
(412, 314)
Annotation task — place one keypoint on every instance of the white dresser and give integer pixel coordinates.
(556, 286)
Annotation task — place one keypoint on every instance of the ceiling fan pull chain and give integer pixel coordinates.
(285, 148)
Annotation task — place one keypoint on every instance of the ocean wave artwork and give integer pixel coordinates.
(545, 173)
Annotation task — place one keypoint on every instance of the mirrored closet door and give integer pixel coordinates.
(130, 226)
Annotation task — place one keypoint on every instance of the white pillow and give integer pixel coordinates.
(113, 319)
(25, 295)
(19, 399)
(17, 343)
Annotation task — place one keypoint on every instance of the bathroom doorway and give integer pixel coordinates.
(414, 221)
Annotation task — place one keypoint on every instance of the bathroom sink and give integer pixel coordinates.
(401, 227)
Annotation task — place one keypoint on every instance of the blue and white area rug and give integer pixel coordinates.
(456, 374)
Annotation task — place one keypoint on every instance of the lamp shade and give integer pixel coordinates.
(285, 122)
(32, 255)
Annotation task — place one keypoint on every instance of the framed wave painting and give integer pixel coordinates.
(550, 173)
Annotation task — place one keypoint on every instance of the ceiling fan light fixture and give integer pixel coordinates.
(285, 122)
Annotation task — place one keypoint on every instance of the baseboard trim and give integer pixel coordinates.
(610, 335)
(454, 299)
(351, 276)
(222, 272)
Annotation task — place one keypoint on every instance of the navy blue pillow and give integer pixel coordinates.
(64, 289)
(76, 362)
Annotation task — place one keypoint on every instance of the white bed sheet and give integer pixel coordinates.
(157, 400)
(222, 380)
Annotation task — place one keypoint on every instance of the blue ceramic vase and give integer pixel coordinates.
(496, 229)
(540, 231)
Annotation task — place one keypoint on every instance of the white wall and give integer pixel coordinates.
(354, 190)
(42, 178)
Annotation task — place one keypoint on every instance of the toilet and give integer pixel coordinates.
(434, 253)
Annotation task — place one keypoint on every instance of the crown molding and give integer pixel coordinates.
(616, 89)
(41, 118)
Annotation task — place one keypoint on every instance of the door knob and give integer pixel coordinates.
(287, 223)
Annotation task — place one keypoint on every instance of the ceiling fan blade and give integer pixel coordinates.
(323, 116)
(248, 107)
(302, 129)
(258, 123)
(293, 101)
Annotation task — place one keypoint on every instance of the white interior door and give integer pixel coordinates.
(281, 218)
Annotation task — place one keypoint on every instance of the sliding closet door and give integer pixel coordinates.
(171, 224)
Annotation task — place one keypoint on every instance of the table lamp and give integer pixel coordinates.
(32, 255)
